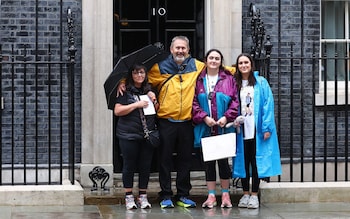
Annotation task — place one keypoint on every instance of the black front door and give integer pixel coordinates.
(138, 23)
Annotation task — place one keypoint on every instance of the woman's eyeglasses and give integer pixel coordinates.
(138, 73)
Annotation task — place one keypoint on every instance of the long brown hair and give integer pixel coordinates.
(238, 74)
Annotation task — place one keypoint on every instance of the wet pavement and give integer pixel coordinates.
(267, 211)
(109, 205)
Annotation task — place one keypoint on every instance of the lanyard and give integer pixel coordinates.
(210, 89)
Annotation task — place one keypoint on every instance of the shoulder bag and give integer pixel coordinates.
(152, 136)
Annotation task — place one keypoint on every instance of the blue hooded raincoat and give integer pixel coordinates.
(267, 151)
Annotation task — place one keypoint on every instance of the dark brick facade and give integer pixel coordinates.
(291, 24)
(36, 109)
(294, 27)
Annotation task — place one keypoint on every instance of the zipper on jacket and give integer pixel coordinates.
(180, 111)
(165, 93)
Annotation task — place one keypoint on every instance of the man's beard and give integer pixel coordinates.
(179, 59)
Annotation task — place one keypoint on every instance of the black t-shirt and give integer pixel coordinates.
(130, 125)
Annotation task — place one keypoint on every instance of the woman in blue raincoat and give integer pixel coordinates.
(258, 154)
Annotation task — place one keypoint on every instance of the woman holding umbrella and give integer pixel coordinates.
(136, 151)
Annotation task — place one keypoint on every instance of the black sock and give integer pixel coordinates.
(142, 192)
(128, 193)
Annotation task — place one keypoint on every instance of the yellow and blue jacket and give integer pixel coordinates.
(176, 95)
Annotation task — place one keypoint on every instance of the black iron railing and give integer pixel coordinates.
(261, 45)
(37, 120)
(312, 115)
(311, 92)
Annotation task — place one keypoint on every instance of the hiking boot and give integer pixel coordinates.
(243, 202)
(210, 202)
(130, 202)
(226, 200)
(253, 202)
(185, 202)
(166, 203)
(143, 202)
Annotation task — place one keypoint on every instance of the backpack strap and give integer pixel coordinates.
(170, 77)
(182, 67)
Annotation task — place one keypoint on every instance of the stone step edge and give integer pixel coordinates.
(118, 200)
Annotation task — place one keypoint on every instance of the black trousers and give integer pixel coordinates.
(137, 157)
(250, 166)
(176, 137)
(224, 169)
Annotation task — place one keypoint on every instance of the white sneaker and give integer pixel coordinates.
(243, 202)
(130, 202)
(253, 202)
(143, 202)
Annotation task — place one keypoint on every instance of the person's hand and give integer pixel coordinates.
(209, 121)
(142, 103)
(121, 88)
(152, 96)
(267, 135)
(237, 123)
(239, 120)
(222, 121)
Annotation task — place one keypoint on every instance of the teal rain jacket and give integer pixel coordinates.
(268, 159)
(224, 103)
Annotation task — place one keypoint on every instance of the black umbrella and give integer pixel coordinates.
(148, 56)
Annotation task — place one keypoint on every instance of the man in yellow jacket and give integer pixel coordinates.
(175, 78)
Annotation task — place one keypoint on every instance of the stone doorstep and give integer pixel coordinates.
(273, 192)
(285, 192)
(49, 195)
(116, 195)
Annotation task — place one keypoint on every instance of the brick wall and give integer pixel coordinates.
(288, 23)
(296, 25)
(26, 30)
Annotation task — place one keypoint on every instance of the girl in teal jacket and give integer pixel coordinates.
(214, 105)
(258, 154)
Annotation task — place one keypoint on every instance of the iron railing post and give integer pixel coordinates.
(71, 52)
(262, 46)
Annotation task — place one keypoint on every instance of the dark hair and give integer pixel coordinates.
(129, 80)
(218, 51)
(238, 74)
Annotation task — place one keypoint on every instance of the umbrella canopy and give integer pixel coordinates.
(148, 56)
